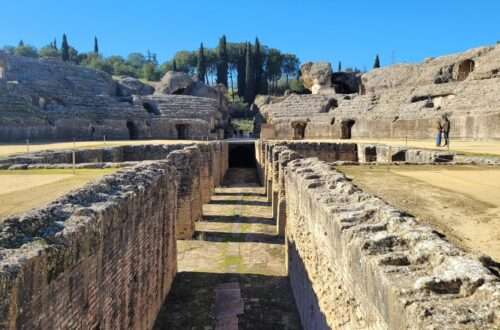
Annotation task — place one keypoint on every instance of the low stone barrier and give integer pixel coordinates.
(356, 262)
(101, 257)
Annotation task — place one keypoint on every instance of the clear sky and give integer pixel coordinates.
(351, 31)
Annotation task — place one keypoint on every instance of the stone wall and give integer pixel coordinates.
(47, 99)
(403, 100)
(99, 258)
(104, 256)
(355, 262)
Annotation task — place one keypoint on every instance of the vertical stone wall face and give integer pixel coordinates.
(189, 205)
(103, 257)
(354, 262)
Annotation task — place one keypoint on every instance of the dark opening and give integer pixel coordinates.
(151, 108)
(182, 131)
(242, 155)
(371, 154)
(299, 130)
(133, 132)
(347, 128)
(399, 156)
(464, 69)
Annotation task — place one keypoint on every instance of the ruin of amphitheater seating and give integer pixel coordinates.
(276, 232)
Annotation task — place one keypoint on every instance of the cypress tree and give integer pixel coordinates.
(340, 66)
(259, 70)
(241, 70)
(202, 64)
(249, 75)
(96, 46)
(377, 62)
(222, 66)
(55, 44)
(65, 48)
(174, 65)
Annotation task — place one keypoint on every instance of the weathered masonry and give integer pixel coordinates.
(354, 262)
(104, 256)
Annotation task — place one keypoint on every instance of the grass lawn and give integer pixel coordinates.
(24, 190)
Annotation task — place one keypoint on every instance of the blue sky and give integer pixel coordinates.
(350, 31)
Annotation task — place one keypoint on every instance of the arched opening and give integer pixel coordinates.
(347, 128)
(182, 131)
(151, 108)
(464, 69)
(133, 132)
(299, 130)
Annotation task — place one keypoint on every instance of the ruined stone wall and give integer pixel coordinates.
(404, 100)
(104, 256)
(357, 263)
(99, 258)
(47, 99)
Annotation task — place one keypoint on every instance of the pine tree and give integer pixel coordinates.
(222, 66)
(96, 46)
(249, 75)
(259, 68)
(65, 48)
(174, 66)
(202, 64)
(376, 65)
(340, 66)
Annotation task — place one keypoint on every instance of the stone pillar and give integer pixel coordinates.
(189, 199)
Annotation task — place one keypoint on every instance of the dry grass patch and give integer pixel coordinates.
(24, 190)
(462, 202)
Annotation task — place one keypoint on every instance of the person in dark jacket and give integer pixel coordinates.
(439, 132)
(445, 124)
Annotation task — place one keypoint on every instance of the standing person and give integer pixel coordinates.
(446, 129)
(439, 130)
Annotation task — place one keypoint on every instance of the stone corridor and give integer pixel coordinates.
(232, 275)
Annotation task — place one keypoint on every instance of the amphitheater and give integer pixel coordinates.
(342, 215)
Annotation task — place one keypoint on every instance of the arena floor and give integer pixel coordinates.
(462, 202)
(13, 149)
(23, 190)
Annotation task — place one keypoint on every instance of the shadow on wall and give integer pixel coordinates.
(192, 303)
(310, 312)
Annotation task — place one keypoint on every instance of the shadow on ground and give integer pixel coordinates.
(268, 302)
(238, 237)
(238, 219)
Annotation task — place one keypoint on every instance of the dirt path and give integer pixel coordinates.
(462, 202)
(232, 276)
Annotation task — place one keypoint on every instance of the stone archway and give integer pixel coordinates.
(464, 69)
(182, 131)
(133, 132)
(346, 127)
(299, 129)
